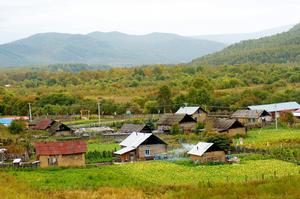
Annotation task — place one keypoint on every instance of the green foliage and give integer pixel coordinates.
(17, 127)
(220, 141)
(175, 129)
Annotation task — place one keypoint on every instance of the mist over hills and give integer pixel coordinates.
(110, 48)
(237, 37)
(279, 48)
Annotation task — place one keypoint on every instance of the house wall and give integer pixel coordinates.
(130, 156)
(236, 131)
(214, 156)
(154, 149)
(187, 127)
(73, 160)
(200, 117)
(63, 133)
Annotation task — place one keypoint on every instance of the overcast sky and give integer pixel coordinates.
(20, 18)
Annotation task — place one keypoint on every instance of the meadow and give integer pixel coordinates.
(157, 179)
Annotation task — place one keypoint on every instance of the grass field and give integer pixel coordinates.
(103, 146)
(270, 137)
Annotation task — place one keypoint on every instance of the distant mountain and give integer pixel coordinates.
(112, 48)
(280, 48)
(237, 37)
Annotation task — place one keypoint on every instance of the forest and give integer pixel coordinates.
(145, 89)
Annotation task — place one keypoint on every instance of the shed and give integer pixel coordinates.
(186, 122)
(198, 113)
(252, 117)
(231, 127)
(141, 146)
(130, 128)
(53, 127)
(206, 152)
(62, 153)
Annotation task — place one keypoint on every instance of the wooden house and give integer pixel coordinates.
(185, 122)
(198, 113)
(141, 146)
(62, 154)
(277, 108)
(230, 127)
(206, 152)
(55, 128)
(252, 118)
(130, 128)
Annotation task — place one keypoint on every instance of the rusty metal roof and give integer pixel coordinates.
(250, 114)
(60, 148)
(43, 124)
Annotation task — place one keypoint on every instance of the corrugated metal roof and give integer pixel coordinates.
(249, 113)
(190, 110)
(135, 139)
(129, 128)
(124, 150)
(43, 124)
(171, 119)
(223, 124)
(60, 148)
(276, 106)
(200, 148)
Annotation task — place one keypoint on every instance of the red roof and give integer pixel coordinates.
(60, 148)
(43, 124)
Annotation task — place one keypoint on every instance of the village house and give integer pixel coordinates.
(278, 108)
(252, 118)
(130, 128)
(230, 127)
(198, 113)
(185, 122)
(63, 154)
(55, 128)
(206, 152)
(141, 146)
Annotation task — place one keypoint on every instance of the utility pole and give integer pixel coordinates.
(276, 122)
(99, 113)
(30, 115)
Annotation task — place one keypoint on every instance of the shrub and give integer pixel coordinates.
(16, 127)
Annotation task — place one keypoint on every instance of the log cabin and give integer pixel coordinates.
(205, 152)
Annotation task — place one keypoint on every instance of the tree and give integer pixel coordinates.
(16, 127)
(164, 98)
(220, 141)
(175, 129)
(151, 106)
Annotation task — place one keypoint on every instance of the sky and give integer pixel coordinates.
(21, 18)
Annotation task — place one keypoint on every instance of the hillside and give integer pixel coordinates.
(280, 48)
(112, 48)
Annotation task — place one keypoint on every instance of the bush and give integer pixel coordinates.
(220, 141)
(16, 127)
(175, 129)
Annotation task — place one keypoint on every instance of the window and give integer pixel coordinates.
(147, 152)
(52, 161)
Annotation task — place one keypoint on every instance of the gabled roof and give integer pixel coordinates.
(223, 124)
(249, 114)
(60, 148)
(200, 148)
(276, 106)
(57, 126)
(189, 110)
(43, 124)
(296, 113)
(134, 140)
(129, 128)
(171, 119)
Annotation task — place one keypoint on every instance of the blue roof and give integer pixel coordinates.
(276, 106)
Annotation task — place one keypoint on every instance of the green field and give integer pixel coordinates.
(103, 146)
(270, 137)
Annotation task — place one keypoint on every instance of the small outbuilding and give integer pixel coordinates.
(141, 146)
(252, 118)
(55, 128)
(198, 113)
(130, 128)
(185, 122)
(64, 153)
(230, 127)
(206, 152)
